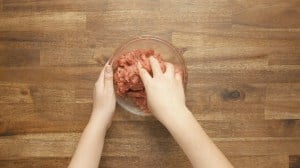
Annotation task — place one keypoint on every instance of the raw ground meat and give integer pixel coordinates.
(126, 75)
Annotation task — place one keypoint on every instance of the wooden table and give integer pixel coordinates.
(243, 60)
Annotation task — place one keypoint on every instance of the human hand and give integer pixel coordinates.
(165, 93)
(104, 98)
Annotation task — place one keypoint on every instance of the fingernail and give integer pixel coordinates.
(108, 69)
(152, 58)
(139, 64)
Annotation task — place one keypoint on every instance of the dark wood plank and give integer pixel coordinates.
(45, 5)
(38, 39)
(62, 162)
(269, 161)
(294, 161)
(36, 162)
(19, 57)
(47, 21)
(1, 5)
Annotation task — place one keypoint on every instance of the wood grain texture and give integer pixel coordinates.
(19, 57)
(47, 5)
(42, 39)
(277, 15)
(68, 57)
(261, 161)
(289, 97)
(135, 162)
(294, 161)
(1, 5)
(44, 21)
(51, 145)
(243, 60)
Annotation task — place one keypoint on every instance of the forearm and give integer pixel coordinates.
(199, 148)
(90, 146)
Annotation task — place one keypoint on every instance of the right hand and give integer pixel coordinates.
(165, 92)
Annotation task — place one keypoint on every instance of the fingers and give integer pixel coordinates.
(155, 66)
(170, 72)
(145, 76)
(108, 77)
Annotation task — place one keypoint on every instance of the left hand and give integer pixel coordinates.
(104, 98)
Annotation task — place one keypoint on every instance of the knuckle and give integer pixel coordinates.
(108, 77)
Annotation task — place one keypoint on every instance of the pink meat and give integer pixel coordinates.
(126, 75)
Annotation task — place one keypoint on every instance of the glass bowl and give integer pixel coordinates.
(168, 52)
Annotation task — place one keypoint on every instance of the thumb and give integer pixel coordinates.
(108, 77)
(145, 76)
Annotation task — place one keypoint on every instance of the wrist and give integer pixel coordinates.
(99, 120)
(98, 128)
(180, 119)
(172, 114)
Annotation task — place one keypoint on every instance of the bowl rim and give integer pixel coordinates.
(155, 38)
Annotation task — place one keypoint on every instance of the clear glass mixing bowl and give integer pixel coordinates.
(168, 52)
